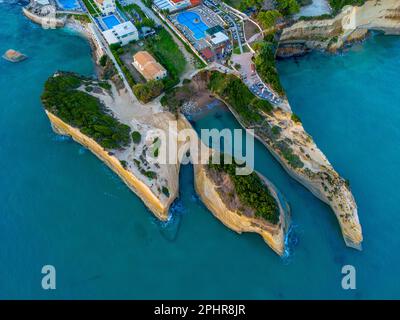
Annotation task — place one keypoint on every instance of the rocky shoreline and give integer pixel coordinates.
(315, 173)
(351, 25)
(152, 201)
(273, 235)
(159, 204)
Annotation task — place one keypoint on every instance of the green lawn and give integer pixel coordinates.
(92, 8)
(233, 3)
(167, 52)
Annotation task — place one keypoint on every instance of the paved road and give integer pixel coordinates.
(237, 32)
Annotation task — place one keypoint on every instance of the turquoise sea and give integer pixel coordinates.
(59, 205)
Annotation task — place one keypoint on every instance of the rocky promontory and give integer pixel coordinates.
(350, 25)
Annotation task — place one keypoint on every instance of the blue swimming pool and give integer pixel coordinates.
(110, 21)
(193, 21)
(69, 4)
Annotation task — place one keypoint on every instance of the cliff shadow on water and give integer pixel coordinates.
(215, 115)
(180, 207)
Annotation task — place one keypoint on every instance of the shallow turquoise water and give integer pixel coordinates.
(61, 206)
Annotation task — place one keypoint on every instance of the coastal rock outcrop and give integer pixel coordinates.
(220, 195)
(284, 136)
(304, 161)
(158, 205)
(155, 182)
(292, 50)
(218, 203)
(14, 56)
(101, 120)
(351, 24)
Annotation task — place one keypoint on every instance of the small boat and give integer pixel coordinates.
(14, 56)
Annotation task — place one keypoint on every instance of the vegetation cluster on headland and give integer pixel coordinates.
(63, 98)
(250, 189)
(232, 90)
(252, 112)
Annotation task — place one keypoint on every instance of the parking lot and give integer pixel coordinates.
(252, 80)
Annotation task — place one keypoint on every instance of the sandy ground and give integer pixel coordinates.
(145, 119)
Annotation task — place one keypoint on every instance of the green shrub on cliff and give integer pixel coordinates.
(287, 152)
(83, 111)
(238, 96)
(324, 16)
(251, 191)
(266, 66)
(165, 191)
(295, 118)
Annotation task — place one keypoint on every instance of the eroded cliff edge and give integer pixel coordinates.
(351, 24)
(95, 115)
(135, 160)
(284, 136)
(217, 193)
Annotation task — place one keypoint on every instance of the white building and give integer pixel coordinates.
(106, 6)
(121, 33)
(217, 39)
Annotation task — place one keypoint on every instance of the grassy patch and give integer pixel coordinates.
(167, 52)
(146, 92)
(80, 17)
(92, 8)
(199, 63)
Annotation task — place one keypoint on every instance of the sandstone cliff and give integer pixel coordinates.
(132, 164)
(351, 24)
(289, 143)
(273, 235)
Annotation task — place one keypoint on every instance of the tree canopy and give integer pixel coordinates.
(288, 7)
(83, 111)
(268, 18)
(251, 191)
